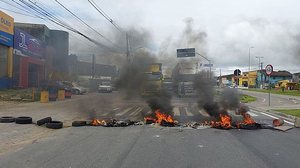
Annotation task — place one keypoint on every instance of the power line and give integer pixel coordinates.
(104, 15)
(53, 19)
(19, 13)
(83, 21)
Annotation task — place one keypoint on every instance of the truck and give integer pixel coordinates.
(183, 76)
(153, 79)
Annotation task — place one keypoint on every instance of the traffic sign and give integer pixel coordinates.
(269, 69)
(237, 72)
(186, 52)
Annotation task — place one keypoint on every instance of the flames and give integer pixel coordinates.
(161, 118)
(225, 122)
(97, 122)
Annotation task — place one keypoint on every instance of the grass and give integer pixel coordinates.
(247, 99)
(18, 93)
(293, 112)
(278, 91)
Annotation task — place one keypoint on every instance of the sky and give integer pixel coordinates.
(222, 30)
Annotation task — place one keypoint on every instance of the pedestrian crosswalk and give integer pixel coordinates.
(136, 111)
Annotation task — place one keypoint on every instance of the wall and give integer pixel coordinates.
(6, 42)
(59, 40)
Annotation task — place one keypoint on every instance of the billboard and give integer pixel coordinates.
(27, 45)
(186, 52)
(6, 29)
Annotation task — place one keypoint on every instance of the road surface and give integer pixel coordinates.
(148, 145)
(277, 101)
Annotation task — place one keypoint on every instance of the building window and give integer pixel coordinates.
(3, 60)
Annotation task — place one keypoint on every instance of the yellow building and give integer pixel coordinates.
(248, 77)
(6, 50)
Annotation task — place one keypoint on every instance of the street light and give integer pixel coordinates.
(260, 69)
(250, 57)
(249, 65)
(209, 62)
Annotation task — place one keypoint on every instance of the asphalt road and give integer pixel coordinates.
(277, 101)
(149, 145)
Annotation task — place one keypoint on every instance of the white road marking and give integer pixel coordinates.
(113, 110)
(276, 118)
(176, 111)
(264, 100)
(135, 112)
(252, 114)
(188, 113)
(125, 111)
(203, 113)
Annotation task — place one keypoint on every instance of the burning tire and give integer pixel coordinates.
(43, 121)
(54, 124)
(7, 119)
(78, 123)
(24, 120)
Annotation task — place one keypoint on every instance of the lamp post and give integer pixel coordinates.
(249, 64)
(260, 68)
(209, 62)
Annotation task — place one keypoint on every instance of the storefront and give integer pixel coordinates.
(6, 51)
(29, 60)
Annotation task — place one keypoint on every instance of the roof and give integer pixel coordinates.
(279, 73)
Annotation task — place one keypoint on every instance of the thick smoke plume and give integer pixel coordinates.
(161, 102)
(132, 74)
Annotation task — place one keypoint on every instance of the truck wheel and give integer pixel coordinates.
(24, 120)
(43, 121)
(54, 124)
(78, 123)
(7, 119)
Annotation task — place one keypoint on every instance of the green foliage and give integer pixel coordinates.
(247, 99)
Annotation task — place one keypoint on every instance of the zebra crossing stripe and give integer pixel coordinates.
(203, 113)
(188, 113)
(136, 111)
(125, 111)
(176, 111)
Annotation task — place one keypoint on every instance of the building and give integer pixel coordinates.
(226, 80)
(248, 79)
(296, 77)
(29, 60)
(256, 79)
(276, 76)
(6, 50)
(56, 50)
(59, 40)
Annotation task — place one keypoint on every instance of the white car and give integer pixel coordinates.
(105, 87)
(75, 88)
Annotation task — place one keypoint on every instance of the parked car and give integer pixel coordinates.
(75, 88)
(105, 87)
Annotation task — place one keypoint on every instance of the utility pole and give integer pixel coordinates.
(259, 68)
(220, 81)
(127, 48)
(249, 64)
(261, 76)
(93, 66)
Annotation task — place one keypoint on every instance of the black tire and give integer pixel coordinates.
(54, 124)
(7, 119)
(43, 121)
(78, 123)
(24, 120)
